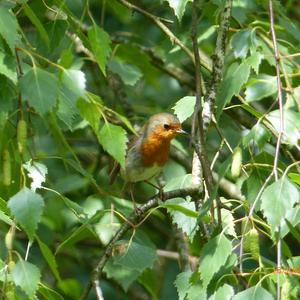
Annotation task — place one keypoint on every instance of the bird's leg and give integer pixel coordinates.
(160, 189)
(136, 209)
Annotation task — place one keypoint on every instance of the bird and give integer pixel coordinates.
(148, 153)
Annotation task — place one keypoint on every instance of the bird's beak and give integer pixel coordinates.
(180, 130)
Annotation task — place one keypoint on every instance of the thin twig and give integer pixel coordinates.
(277, 150)
(206, 62)
(174, 255)
(98, 290)
(279, 89)
(20, 74)
(281, 129)
(134, 218)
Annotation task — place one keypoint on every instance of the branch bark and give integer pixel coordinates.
(201, 120)
(133, 220)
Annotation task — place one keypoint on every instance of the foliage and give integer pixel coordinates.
(77, 80)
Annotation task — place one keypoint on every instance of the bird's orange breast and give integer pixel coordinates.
(156, 148)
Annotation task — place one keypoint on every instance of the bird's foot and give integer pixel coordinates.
(136, 209)
(161, 193)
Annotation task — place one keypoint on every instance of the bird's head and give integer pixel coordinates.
(163, 126)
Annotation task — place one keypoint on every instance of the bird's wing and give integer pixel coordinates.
(117, 167)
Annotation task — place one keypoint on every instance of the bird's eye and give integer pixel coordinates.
(167, 126)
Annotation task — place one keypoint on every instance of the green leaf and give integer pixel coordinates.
(8, 67)
(225, 292)
(3, 206)
(184, 215)
(71, 89)
(293, 216)
(290, 27)
(291, 125)
(196, 292)
(258, 135)
(113, 139)
(178, 7)
(294, 232)
(80, 233)
(6, 219)
(100, 45)
(27, 277)
(70, 287)
(235, 77)
(49, 293)
(8, 93)
(130, 74)
(36, 22)
(77, 166)
(131, 260)
(37, 172)
(254, 60)
(124, 276)
(241, 42)
(213, 256)
(137, 256)
(293, 99)
(295, 177)
(76, 209)
(251, 110)
(40, 89)
(184, 107)
(182, 284)
(107, 227)
(75, 81)
(8, 28)
(207, 33)
(27, 207)
(172, 206)
(253, 183)
(261, 87)
(253, 293)
(50, 258)
(179, 182)
(151, 282)
(278, 200)
(90, 112)
(84, 230)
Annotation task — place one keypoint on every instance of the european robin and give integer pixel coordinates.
(149, 152)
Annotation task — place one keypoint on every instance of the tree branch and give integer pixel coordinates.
(218, 64)
(134, 218)
(203, 121)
